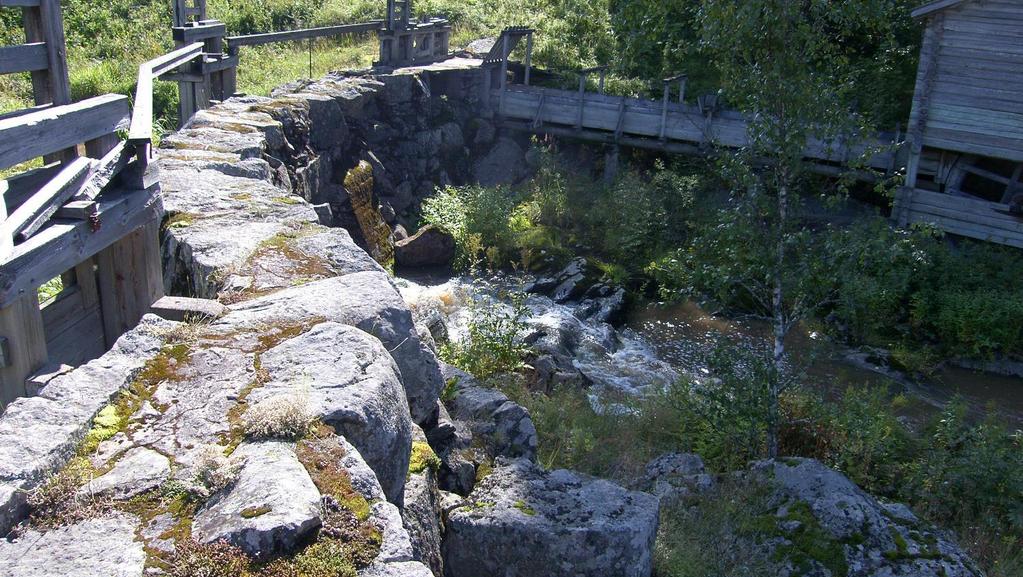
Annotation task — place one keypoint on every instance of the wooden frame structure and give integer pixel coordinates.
(668, 123)
(408, 42)
(965, 169)
(89, 216)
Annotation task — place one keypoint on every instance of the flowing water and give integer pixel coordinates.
(679, 332)
(658, 343)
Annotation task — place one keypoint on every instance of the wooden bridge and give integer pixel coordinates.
(669, 124)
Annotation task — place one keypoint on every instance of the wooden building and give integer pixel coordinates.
(965, 169)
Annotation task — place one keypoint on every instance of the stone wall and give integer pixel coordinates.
(305, 425)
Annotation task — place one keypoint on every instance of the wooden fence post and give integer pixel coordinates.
(529, 56)
(664, 109)
(45, 23)
(504, 73)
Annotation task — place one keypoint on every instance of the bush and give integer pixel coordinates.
(280, 417)
(478, 219)
(213, 471)
(492, 345)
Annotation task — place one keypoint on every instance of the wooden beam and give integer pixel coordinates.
(504, 72)
(303, 34)
(33, 214)
(582, 100)
(198, 31)
(22, 186)
(56, 50)
(664, 109)
(18, 3)
(77, 210)
(46, 131)
(23, 58)
(21, 324)
(61, 246)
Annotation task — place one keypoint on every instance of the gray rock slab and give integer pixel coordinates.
(369, 301)
(396, 545)
(136, 472)
(105, 547)
(524, 521)
(403, 569)
(270, 508)
(351, 383)
(504, 426)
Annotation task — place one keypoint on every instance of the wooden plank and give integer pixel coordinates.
(130, 279)
(56, 49)
(141, 129)
(23, 58)
(106, 169)
(966, 229)
(24, 185)
(41, 133)
(6, 240)
(303, 34)
(19, 3)
(33, 214)
(77, 210)
(61, 246)
(199, 31)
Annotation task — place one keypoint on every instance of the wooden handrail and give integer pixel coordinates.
(235, 42)
(23, 58)
(141, 130)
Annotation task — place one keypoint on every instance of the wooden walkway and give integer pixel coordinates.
(661, 125)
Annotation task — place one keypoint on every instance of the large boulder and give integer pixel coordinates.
(366, 300)
(349, 382)
(102, 547)
(524, 521)
(428, 247)
(501, 425)
(879, 540)
(504, 164)
(271, 507)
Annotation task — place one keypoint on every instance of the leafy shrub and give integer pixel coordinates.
(478, 219)
(493, 344)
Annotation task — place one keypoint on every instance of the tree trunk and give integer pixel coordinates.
(779, 322)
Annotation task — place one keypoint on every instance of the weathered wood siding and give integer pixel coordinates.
(975, 98)
(963, 216)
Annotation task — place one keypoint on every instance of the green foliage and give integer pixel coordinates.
(479, 220)
(905, 290)
(716, 534)
(422, 458)
(493, 344)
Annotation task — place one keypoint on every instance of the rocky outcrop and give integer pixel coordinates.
(524, 521)
(674, 476)
(877, 539)
(351, 383)
(38, 435)
(422, 513)
(136, 472)
(503, 425)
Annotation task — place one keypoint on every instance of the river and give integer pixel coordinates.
(657, 343)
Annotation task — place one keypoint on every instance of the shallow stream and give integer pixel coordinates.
(657, 343)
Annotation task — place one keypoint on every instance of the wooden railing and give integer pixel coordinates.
(234, 43)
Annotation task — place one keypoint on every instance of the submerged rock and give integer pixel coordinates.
(524, 521)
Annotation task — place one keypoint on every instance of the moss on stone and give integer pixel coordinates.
(180, 220)
(321, 458)
(253, 512)
(483, 470)
(526, 509)
(422, 458)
